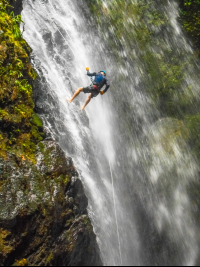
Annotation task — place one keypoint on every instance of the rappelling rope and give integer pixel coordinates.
(111, 173)
(114, 201)
(54, 60)
(63, 37)
(82, 61)
(113, 189)
(74, 53)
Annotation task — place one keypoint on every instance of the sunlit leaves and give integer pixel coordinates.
(5, 248)
(190, 17)
(18, 133)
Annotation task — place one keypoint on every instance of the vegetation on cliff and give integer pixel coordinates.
(44, 221)
(20, 127)
(190, 18)
(140, 27)
(43, 216)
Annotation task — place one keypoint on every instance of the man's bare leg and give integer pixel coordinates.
(87, 102)
(75, 95)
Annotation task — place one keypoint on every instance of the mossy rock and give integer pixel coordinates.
(44, 220)
(20, 127)
(51, 159)
(36, 121)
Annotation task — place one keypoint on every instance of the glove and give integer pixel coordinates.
(101, 92)
(87, 69)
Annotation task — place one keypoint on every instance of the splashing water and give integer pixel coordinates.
(120, 135)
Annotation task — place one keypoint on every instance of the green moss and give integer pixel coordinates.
(36, 120)
(62, 179)
(193, 125)
(50, 258)
(5, 248)
(190, 19)
(164, 68)
(22, 262)
(20, 127)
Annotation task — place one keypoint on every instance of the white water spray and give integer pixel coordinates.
(140, 168)
(111, 174)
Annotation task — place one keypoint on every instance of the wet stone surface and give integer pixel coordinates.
(43, 216)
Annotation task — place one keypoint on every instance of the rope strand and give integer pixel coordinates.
(113, 189)
(111, 174)
(114, 202)
(69, 38)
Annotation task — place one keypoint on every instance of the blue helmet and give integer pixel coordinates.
(103, 71)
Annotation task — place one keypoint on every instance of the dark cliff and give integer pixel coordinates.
(43, 208)
(43, 216)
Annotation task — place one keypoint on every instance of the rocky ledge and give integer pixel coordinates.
(43, 216)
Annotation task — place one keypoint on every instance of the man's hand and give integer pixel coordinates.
(101, 92)
(87, 69)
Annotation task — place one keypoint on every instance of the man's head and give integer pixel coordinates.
(103, 72)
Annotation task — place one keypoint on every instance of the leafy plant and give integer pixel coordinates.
(138, 23)
(5, 248)
(22, 262)
(16, 23)
(190, 18)
(16, 104)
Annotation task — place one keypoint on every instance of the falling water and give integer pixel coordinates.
(135, 177)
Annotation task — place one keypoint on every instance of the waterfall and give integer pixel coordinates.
(144, 215)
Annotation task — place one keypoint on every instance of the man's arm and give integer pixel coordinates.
(107, 86)
(91, 74)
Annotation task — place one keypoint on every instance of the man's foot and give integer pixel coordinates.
(69, 100)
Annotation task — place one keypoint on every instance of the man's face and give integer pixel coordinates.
(103, 73)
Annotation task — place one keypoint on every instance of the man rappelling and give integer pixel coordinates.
(95, 88)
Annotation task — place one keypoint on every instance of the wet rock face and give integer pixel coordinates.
(43, 217)
(43, 208)
(51, 159)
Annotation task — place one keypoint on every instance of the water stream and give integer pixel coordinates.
(120, 134)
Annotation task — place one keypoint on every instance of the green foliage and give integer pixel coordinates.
(166, 76)
(16, 22)
(21, 129)
(36, 120)
(22, 262)
(190, 18)
(164, 67)
(193, 125)
(50, 258)
(5, 248)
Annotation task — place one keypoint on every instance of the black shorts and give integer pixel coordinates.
(91, 90)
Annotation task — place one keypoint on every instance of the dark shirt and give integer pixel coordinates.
(106, 82)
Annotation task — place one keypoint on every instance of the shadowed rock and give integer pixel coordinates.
(43, 216)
